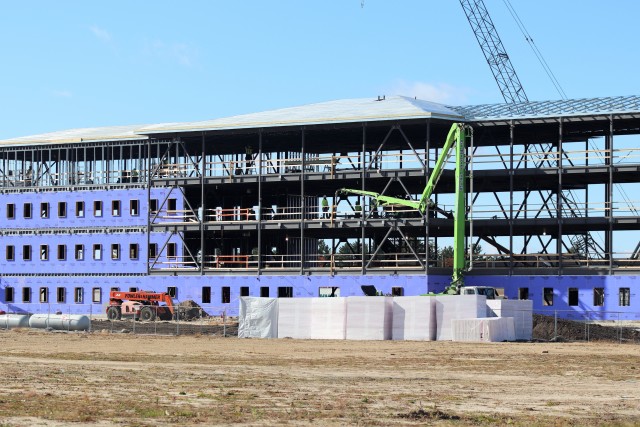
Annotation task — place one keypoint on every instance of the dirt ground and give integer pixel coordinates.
(54, 379)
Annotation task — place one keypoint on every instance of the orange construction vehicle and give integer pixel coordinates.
(141, 305)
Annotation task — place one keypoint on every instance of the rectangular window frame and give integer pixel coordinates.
(62, 252)
(11, 211)
(61, 294)
(547, 297)
(9, 294)
(10, 253)
(27, 211)
(134, 207)
(26, 253)
(624, 297)
(153, 251)
(78, 295)
(598, 297)
(44, 252)
(264, 292)
(225, 295)
(244, 291)
(96, 252)
(43, 295)
(62, 209)
(96, 295)
(116, 208)
(45, 210)
(78, 252)
(26, 294)
(206, 294)
(115, 251)
(134, 251)
(172, 291)
(285, 291)
(573, 297)
(97, 208)
(80, 209)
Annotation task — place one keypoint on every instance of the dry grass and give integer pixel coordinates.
(104, 379)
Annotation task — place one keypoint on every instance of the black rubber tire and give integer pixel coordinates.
(114, 313)
(147, 314)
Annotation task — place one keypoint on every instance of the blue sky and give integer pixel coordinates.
(71, 64)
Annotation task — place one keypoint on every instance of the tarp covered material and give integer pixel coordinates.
(369, 318)
(329, 318)
(520, 310)
(449, 307)
(489, 329)
(294, 318)
(414, 318)
(258, 318)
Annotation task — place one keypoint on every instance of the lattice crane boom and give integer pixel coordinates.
(494, 52)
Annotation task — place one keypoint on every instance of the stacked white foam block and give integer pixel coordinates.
(520, 310)
(450, 307)
(369, 318)
(258, 318)
(414, 318)
(294, 318)
(489, 329)
(328, 318)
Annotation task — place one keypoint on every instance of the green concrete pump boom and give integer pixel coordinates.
(455, 138)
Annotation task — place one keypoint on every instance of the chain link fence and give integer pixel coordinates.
(547, 325)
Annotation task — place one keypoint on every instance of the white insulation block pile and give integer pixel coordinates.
(520, 310)
(449, 307)
(369, 318)
(489, 329)
(414, 318)
(328, 318)
(294, 318)
(258, 318)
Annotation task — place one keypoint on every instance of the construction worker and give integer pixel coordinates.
(248, 158)
(358, 209)
(325, 207)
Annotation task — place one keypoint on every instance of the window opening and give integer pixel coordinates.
(134, 207)
(26, 294)
(26, 253)
(523, 293)
(11, 211)
(244, 291)
(264, 291)
(97, 208)
(80, 209)
(97, 251)
(96, 295)
(133, 289)
(624, 295)
(573, 297)
(172, 291)
(78, 295)
(172, 205)
(115, 251)
(44, 210)
(153, 250)
(226, 294)
(153, 205)
(61, 294)
(206, 294)
(8, 294)
(397, 291)
(171, 250)
(79, 252)
(547, 296)
(115, 289)
(329, 291)
(26, 211)
(44, 252)
(10, 252)
(285, 291)
(133, 251)
(62, 252)
(44, 295)
(115, 207)
(598, 297)
(62, 209)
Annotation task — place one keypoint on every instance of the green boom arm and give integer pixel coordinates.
(456, 134)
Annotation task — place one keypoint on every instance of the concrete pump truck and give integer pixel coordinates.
(456, 140)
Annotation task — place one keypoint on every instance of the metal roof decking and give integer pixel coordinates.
(350, 111)
(110, 133)
(548, 109)
(332, 112)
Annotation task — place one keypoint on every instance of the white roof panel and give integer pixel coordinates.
(110, 133)
(341, 111)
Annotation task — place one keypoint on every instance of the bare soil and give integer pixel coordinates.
(54, 379)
